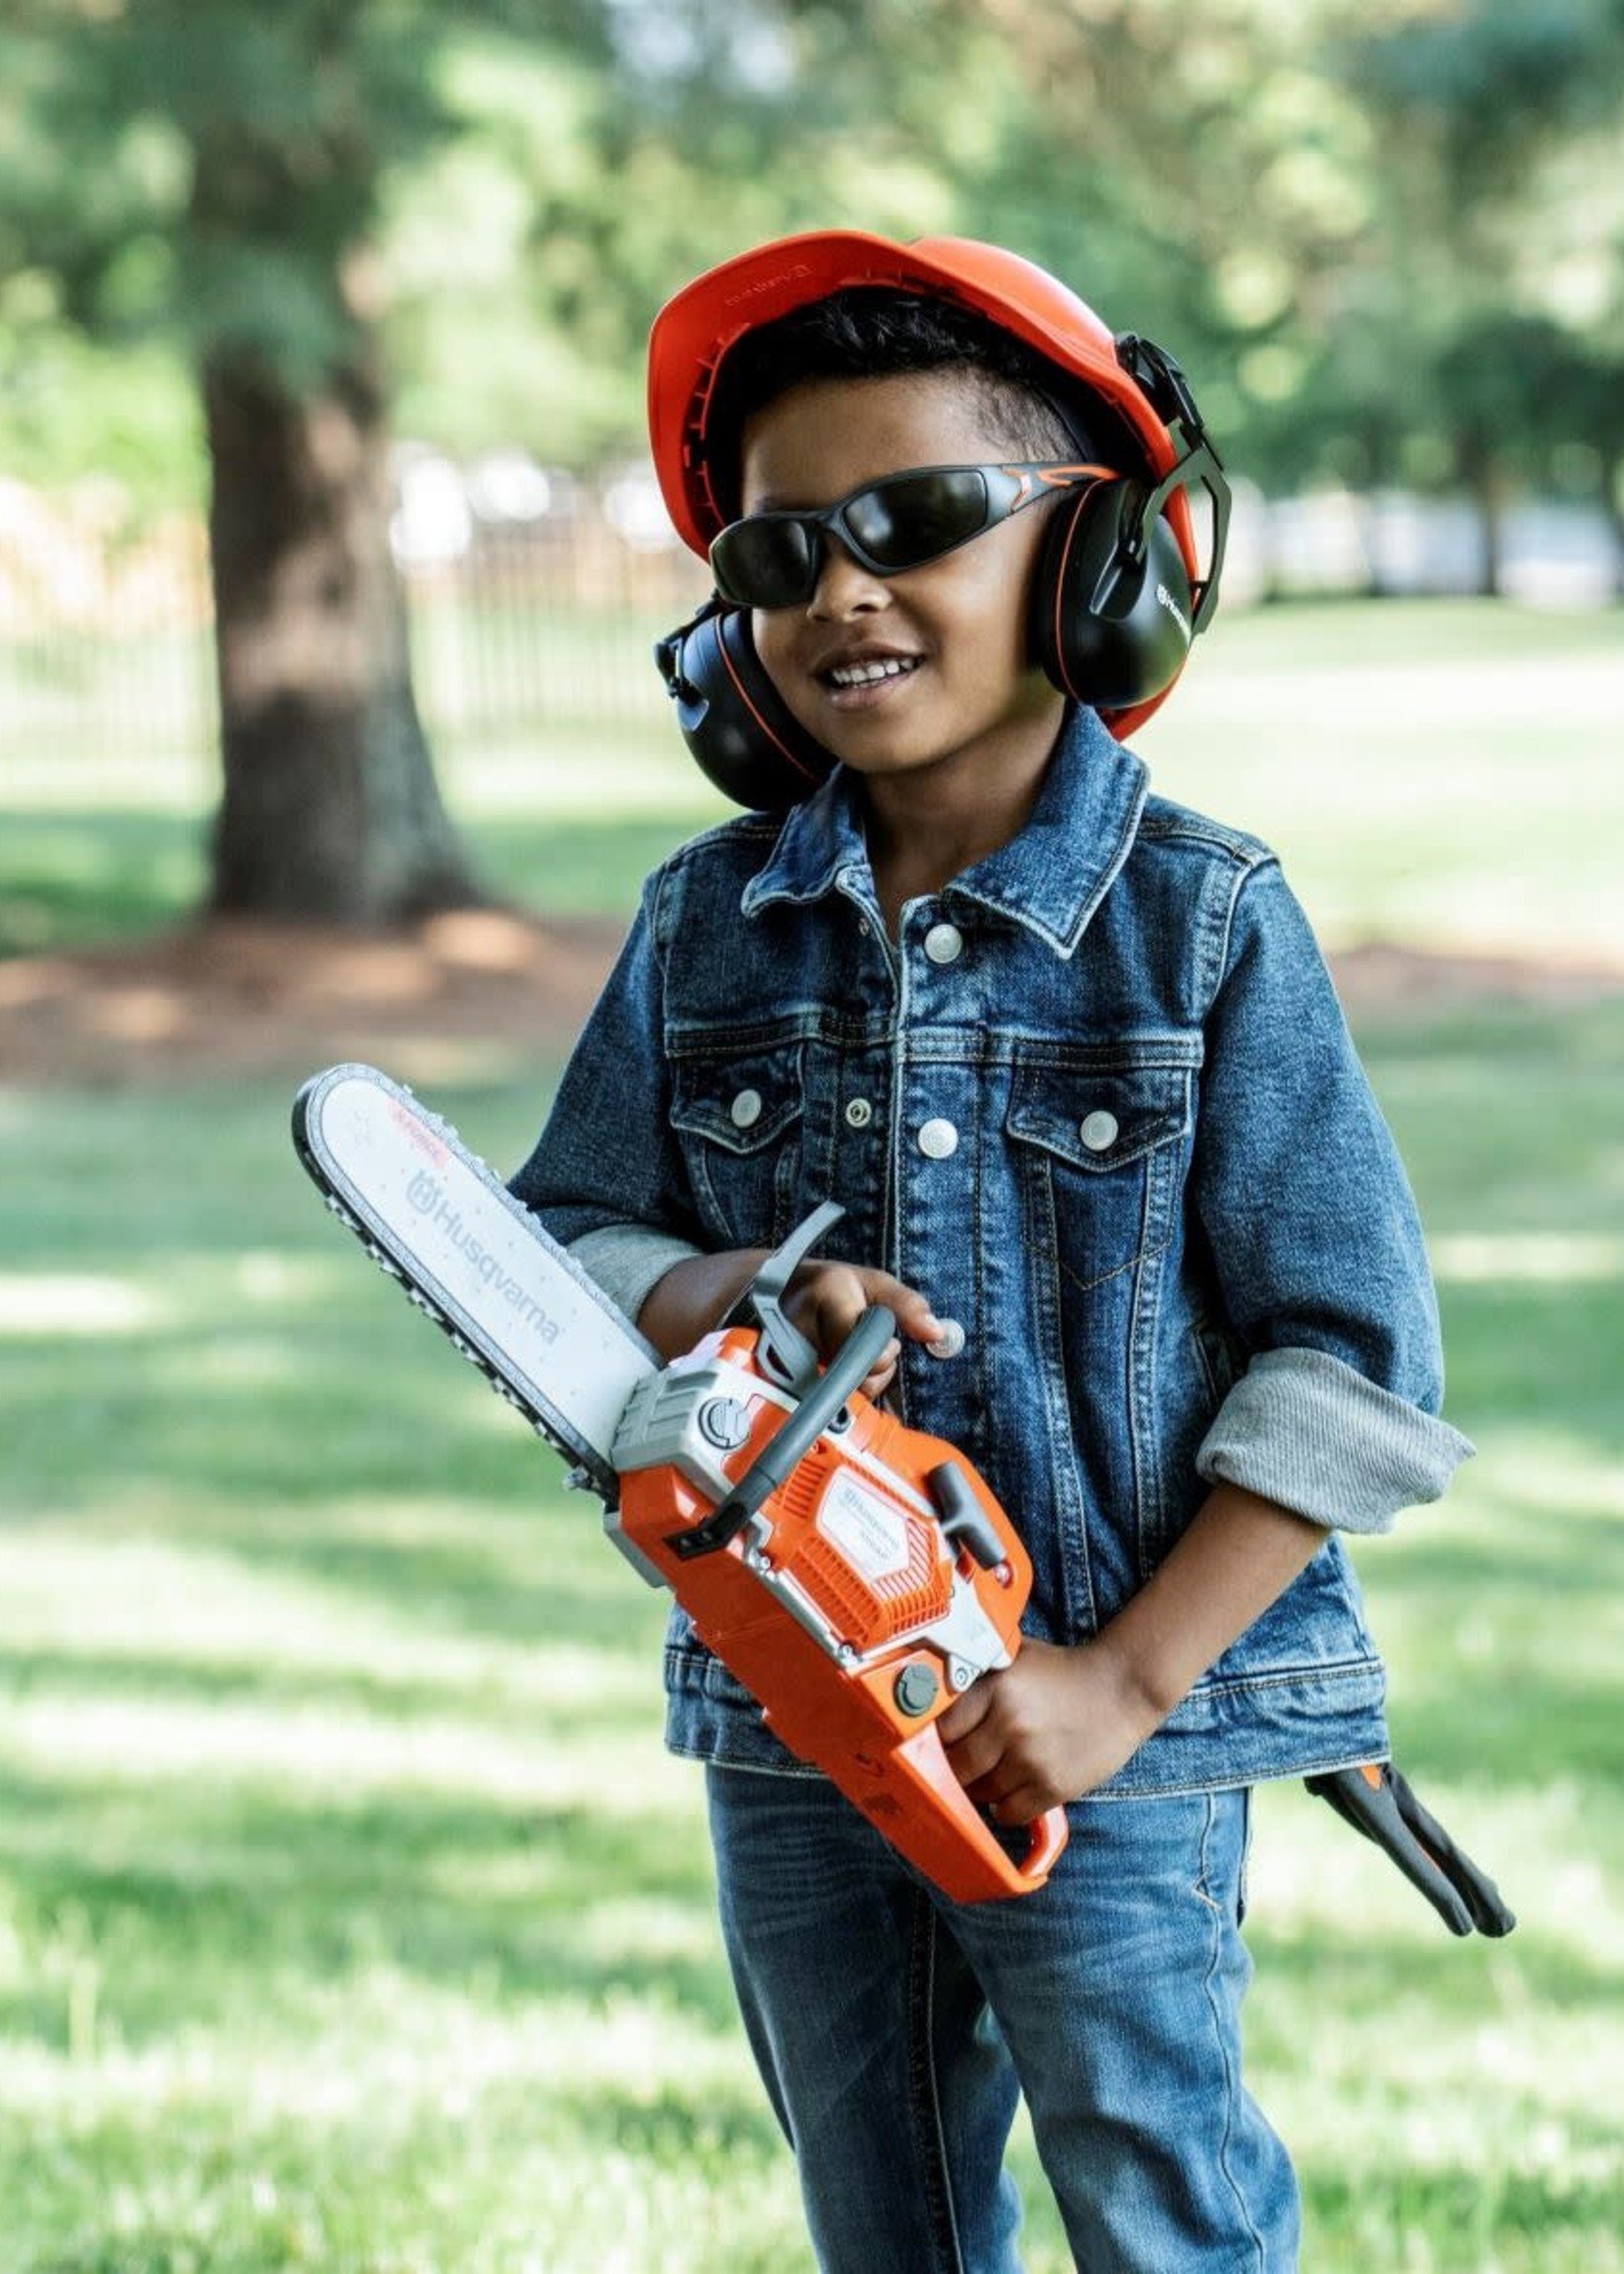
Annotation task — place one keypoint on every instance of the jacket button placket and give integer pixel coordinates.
(935, 1163)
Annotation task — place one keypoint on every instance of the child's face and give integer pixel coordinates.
(970, 693)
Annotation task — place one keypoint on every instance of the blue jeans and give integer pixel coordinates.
(894, 2031)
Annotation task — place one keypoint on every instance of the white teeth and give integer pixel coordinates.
(865, 674)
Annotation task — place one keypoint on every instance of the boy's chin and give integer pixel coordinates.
(916, 749)
(871, 742)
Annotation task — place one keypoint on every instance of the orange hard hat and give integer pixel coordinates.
(695, 329)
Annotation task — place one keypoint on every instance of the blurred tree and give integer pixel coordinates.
(214, 172)
(1497, 156)
(1387, 239)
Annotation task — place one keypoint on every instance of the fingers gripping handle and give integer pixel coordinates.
(951, 1838)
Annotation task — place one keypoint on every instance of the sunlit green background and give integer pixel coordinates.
(351, 1915)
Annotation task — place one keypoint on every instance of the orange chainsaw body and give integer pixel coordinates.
(843, 1606)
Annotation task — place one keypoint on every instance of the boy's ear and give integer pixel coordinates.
(737, 724)
(1112, 608)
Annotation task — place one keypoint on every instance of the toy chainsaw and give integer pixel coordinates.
(855, 1575)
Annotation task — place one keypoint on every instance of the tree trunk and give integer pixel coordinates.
(330, 809)
(1613, 499)
(1480, 463)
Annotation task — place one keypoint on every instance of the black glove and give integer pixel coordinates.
(1376, 1801)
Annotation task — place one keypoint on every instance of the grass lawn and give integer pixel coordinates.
(351, 1915)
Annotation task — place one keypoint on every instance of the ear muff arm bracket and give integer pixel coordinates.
(667, 652)
(1162, 378)
(1201, 464)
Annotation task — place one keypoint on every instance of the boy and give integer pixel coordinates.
(1069, 1056)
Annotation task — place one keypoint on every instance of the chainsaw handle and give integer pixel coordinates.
(940, 1828)
(847, 1371)
(1049, 1834)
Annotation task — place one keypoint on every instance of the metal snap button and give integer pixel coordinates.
(745, 1110)
(1099, 1132)
(939, 1139)
(859, 1113)
(943, 942)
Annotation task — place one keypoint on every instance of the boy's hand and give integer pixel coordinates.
(827, 1300)
(1044, 1730)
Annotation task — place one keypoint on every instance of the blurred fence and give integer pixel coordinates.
(534, 598)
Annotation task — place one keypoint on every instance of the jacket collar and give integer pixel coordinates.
(1050, 878)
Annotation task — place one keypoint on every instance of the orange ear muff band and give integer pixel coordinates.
(776, 740)
(1057, 628)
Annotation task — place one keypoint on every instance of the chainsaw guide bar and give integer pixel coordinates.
(476, 1262)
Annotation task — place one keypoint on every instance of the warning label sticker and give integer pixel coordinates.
(869, 1532)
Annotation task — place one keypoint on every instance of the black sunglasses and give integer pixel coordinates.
(897, 523)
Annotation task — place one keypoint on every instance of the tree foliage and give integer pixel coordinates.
(1384, 236)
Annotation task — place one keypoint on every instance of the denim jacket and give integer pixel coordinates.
(1100, 1105)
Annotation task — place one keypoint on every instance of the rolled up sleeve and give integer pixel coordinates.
(607, 1177)
(1315, 1241)
(630, 1260)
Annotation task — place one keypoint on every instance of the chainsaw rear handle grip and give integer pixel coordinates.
(846, 1371)
(1049, 1834)
(954, 1841)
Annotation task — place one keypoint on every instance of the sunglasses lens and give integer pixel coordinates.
(903, 523)
(765, 562)
(770, 560)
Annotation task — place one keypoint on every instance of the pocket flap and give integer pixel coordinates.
(1097, 1121)
(740, 1102)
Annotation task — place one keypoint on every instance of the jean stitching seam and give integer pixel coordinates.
(944, 2217)
(1230, 2081)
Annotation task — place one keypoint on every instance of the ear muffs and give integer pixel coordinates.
(1113, 612)
(1113, 616)
(739, 729)
(1112, 623)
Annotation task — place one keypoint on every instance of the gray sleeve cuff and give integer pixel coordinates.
(1302, 1427)
(629, 1261)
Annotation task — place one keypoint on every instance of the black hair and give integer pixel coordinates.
(878, 332)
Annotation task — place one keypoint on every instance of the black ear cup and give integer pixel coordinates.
(741, 732)
(1112, 621)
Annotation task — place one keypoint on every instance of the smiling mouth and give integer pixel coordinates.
(854, 686)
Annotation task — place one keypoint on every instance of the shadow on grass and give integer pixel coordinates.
(1429, 1975)
(561, 1581)
(202, 1903)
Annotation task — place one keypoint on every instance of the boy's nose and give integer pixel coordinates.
(845, 587)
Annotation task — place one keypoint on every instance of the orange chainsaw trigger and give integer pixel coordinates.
(851, 1610)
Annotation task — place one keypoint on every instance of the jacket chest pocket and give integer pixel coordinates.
(1098, 1154)
(737, 1118)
